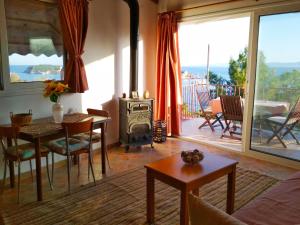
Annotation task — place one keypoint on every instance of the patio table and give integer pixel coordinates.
(271, 107)
(45, 129)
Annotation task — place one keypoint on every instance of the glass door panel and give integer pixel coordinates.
(275, 129)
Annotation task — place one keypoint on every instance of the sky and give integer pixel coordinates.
(279, 37)
(227, 38)
(29, 59)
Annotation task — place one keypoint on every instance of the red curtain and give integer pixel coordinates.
(74, 23)
(168, 73)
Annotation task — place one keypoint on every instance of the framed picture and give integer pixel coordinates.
(134, 94)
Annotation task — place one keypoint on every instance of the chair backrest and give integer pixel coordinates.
(203, 97)
(9, 133)
(294, 114)
(78, 127)
(232, 107)
(98, 112)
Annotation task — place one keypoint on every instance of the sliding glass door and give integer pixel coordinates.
(274, 127)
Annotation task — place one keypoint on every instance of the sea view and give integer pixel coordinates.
(21, 71)
(199, 72)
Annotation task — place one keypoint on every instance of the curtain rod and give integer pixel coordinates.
(202, 6)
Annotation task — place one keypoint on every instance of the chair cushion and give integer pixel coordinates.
(96, 137)
(25, 153)
(202, 213)
(280, 120)
(59, 145)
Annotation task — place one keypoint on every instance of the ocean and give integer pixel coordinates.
(28, 77)
(200, 71)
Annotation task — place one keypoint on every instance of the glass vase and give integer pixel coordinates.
(58, 112)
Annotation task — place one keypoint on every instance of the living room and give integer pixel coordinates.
(120, 194)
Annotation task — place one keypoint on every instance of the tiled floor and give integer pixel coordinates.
(121, 161)
(190, 130)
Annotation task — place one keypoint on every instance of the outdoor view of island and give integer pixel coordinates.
(45, 68)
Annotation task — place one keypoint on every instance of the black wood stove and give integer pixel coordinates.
(136, 122)
(135, 115)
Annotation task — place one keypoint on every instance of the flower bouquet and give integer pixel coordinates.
(54, 89)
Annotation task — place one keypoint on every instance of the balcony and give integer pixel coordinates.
(261, 129)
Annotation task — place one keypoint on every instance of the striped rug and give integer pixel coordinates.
(121, 199)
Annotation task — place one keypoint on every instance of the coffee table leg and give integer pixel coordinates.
(150, 197)
(196, 192)
(184, 217)
(231, 191)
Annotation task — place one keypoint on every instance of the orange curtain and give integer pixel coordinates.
(168, 73)
(74, 23)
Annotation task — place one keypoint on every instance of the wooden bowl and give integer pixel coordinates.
(21, 119)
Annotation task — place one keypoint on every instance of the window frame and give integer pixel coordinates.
(8, 88)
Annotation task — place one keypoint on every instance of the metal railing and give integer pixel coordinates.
(191, 107)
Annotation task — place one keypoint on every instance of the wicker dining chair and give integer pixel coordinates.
(232, 112)
(16, 153)
(282, 126)
(70, 146)
(203, 96)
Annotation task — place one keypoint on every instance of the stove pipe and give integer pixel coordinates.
(134, 36)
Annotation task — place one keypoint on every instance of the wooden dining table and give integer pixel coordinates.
(45, 129)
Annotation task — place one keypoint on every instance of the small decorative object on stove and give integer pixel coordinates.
(146, 94)
(53, 90)
(21, 119)
(159, 131)
(135, 95)
(192, 157)
(124, 95)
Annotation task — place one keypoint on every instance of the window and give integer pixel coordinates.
(35, 46)
(277, 86)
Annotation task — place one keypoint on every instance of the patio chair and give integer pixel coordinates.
(203, 99)
(283, 126)
(232, 113)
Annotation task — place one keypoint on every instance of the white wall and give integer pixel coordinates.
(108, 36)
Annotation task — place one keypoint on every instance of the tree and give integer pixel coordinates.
(216, 79)
(237, 69)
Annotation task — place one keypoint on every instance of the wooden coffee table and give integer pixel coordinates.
(174, 172)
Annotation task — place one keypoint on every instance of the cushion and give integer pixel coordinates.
(202, 213)
(59, 145)
(25, 153)
(96, 137)
(278, 206)
(280, 120)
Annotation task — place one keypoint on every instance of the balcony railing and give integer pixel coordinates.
(191, 107)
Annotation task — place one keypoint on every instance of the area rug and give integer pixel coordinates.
(121, 199)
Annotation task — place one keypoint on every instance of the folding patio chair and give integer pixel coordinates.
(283, 126)
(203, 99)
(232, 112)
